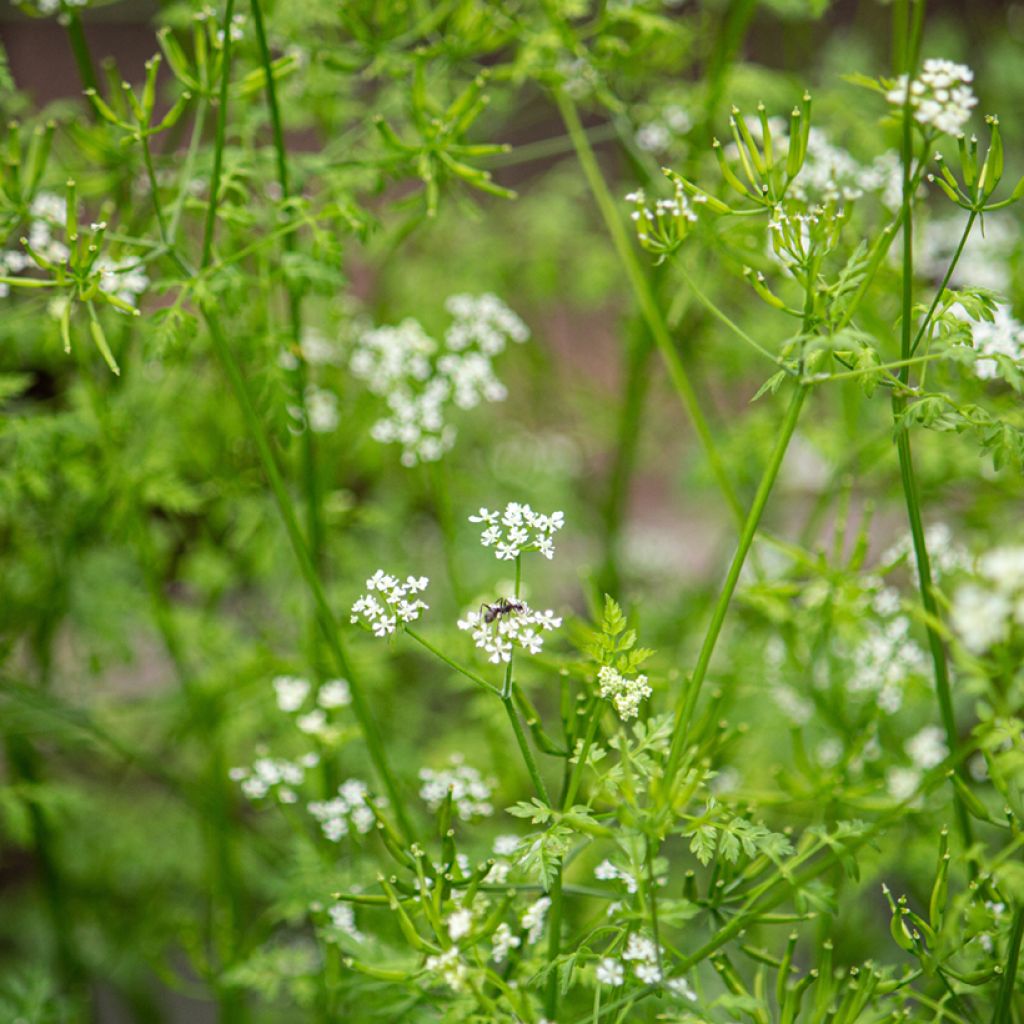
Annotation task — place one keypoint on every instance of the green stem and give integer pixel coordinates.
(325, 617)
(926, 323)
(310, 474)
(186, 171)
(554, 947)
(908, 480)
(80, 49)
(637, 376)
(524, 747)
(219, 137)
(461, 669)
(645, 299)
(1009, 980)
(687, 699)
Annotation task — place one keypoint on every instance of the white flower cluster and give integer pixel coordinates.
(347, 812)
(882, 661)
(520, 626)
(343, 922)
(830, 172)
(606, 871)
(926, 749)
(419, 379)
(517, 530)
(985, 261)
(291, 693)
(503, 941)
(1003, 335)
(534, 917)
(504, 846)
(985, 612)
(124, 279)
(471, 792)
(449, 967)
(48, 211)
(276, 776)
(321, 410)
(625, 694)
(666, 213)
(941, 96)
(383, 613)
(656, 135)
(945, 554)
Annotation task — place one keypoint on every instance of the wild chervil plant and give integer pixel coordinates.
(709, 712)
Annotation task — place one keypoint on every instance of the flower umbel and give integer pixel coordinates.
(387, 602)
(517, 530)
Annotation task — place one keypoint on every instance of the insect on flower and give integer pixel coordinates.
(503, 606)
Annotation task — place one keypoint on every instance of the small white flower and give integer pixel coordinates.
(927, 748)
(459, 924)
(610, 972)
(335, 693)
(291, 692)
(502, 942)
(471, 792)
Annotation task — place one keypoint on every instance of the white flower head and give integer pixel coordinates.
(625, 694)
(513, 624)
(518, 530)
(421, 380)
(940, 97)
(471, 792)
(387, 603)
(610, 972)
(534, 917)
(347, 812)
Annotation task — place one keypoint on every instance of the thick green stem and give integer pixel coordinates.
(645, 299)
(687, 699)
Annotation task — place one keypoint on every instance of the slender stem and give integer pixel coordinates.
(645, 298)
(1009, 980)
(687, 699)
(310, 474)
(524, 747)
(554, 947)
(926, 323)
(731, 324)
(328, 623)
(635, 384)
(911, 493)
(186, 171)
(80, 49)
(438, 473)
(221, 130)
(461, 669)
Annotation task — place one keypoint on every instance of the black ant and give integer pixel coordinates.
(503, 606)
